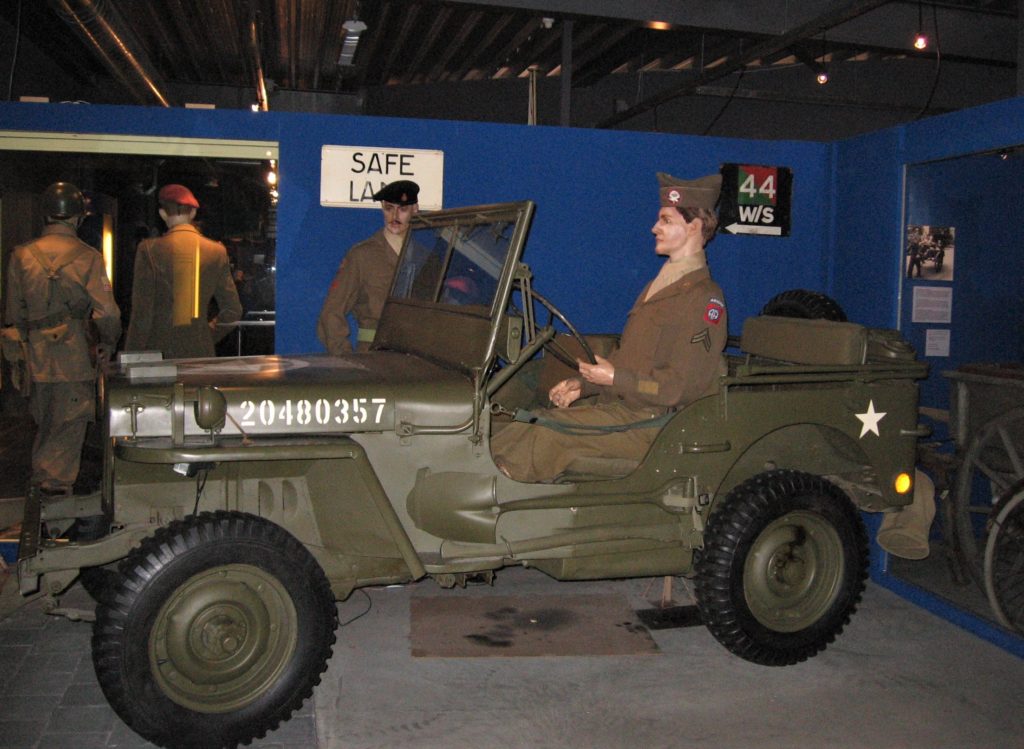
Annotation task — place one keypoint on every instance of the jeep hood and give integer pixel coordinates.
(288, 395)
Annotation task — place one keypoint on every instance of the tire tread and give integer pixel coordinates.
(745, 510)
(144, 564)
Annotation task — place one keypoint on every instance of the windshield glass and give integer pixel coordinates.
(454, 264)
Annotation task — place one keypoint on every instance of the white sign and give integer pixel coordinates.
(932, 304)
(936, 342)
(350, 175)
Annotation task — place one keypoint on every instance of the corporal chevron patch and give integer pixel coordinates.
(703, 337)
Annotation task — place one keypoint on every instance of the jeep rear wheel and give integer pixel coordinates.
(783, 567)
(219, 627)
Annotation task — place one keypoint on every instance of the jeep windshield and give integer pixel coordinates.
(454, 277)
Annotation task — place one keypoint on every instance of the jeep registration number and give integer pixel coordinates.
(322, 412)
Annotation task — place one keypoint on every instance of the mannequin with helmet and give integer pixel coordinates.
(57, 291)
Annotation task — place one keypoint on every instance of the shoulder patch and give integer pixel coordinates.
(713, 312)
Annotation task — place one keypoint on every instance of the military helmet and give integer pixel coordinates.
(63, 200)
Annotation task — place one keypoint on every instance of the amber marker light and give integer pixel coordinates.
(903, 483)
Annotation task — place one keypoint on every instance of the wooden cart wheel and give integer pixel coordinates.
(992, 464)
(1004, 560)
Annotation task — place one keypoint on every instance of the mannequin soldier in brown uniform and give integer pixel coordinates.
(167, 313)
(670, 352)
(363, 279)
(55, 285)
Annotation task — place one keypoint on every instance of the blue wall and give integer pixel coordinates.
(980, 197)
(590, 248)
(867, 190)
(982, 202)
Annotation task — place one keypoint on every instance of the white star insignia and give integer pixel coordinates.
(870, 419)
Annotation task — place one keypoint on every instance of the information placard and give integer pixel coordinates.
(932, 304)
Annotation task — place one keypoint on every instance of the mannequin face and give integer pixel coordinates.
(674, 236)
(398, 217)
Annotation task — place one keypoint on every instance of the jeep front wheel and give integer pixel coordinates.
(219, 627)
(783, 567)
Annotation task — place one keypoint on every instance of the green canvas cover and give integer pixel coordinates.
(805, 341)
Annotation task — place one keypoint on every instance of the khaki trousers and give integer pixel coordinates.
(532, 452)
(62, 412)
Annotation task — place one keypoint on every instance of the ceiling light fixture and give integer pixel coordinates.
(821, 74)
(920, 41)
(350, 41)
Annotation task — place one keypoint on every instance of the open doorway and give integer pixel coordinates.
(238, 208)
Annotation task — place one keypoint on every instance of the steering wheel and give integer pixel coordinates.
(553, 346)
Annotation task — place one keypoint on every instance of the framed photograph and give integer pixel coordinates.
(930, 252)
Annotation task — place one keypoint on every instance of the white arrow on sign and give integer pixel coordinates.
(751, 229)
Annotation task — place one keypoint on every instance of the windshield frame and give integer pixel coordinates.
(461, 336)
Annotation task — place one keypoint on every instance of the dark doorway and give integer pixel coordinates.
(238, 208)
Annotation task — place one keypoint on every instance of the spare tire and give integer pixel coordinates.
(809, 305)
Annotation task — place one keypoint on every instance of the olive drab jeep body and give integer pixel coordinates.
(242, 497)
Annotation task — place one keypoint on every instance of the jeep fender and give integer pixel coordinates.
(324, 491)
(812, 448)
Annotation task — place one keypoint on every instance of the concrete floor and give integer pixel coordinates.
(898, 677)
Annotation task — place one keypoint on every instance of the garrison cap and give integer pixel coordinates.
(690, 193)
(177, 194)
(402, 192)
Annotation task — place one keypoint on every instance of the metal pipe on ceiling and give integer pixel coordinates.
(254, 48)
(565, 93)
(115, 45)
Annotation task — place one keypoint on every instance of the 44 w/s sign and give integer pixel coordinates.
(755, 199)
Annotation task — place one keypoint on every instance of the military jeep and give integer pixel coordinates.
(242, 497)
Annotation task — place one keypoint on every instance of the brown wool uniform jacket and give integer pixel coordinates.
(670, 355)
(53, 319)
(360, 286)
(163, 295)
(671, 348)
